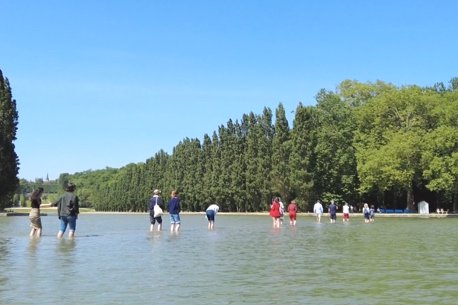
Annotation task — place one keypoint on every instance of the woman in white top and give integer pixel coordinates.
(210, 213)
(366, 212)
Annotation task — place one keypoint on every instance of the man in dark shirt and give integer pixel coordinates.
(332, 211)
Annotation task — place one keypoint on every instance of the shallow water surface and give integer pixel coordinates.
(114, 259)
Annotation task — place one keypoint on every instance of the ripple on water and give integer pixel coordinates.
(114, 259)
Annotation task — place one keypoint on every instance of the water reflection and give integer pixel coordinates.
(66, 252)
(33, 244)
(66, 246)
(4, 246)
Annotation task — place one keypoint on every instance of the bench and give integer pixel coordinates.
(398, 211)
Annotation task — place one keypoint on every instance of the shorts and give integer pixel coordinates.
(366, 216)
(210, 215)
(292, 216)
(346, 216)
(154, 219)
(372, 216)
(333, 216)
(175, 218)
(67, 220)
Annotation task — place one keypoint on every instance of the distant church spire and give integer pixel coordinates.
(47, 177)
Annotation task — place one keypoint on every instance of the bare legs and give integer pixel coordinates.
(159, 227)
(35, 232)
(276, 222)
(211, 225)
(174, 227)
(318, 217)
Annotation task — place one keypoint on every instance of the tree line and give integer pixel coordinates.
(391, 146)
(388, 145)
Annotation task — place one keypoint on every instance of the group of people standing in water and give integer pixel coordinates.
(156, 208)
(277, 211)
(67, 211)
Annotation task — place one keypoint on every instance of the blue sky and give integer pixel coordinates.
(106, 83)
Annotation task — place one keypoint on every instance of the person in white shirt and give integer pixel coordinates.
(282, 212)
(318, 210)
(210, 213)
(346, 212)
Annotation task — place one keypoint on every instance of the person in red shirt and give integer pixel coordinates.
(275, 212)
(292, 211)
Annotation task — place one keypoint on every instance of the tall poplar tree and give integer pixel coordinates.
(208, 197)
(280, 156)
(9, 161)
(303, 141)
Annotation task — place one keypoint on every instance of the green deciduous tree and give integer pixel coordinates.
(391, 127)
(440, 148)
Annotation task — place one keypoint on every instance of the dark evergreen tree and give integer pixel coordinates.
(9, 161)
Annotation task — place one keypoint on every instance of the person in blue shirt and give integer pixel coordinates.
(332, 211)
(372, 213)
(174, 210)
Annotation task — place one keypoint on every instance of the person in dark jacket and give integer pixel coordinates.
(67, 210)
(155, 200)
(174, 210)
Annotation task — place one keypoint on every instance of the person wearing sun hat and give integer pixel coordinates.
(155, 200)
